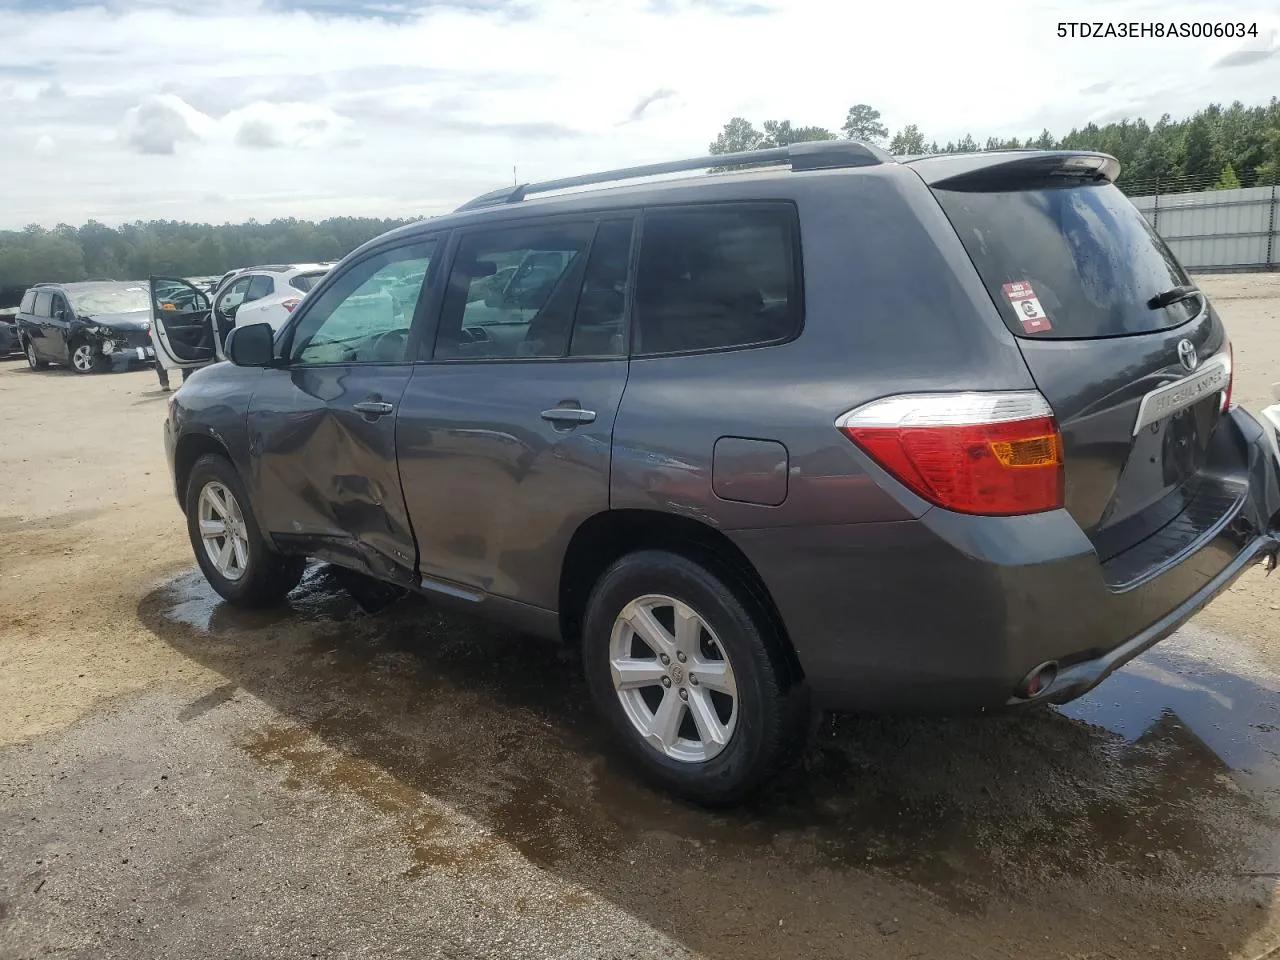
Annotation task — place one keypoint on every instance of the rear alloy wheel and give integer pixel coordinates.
(692, 678)
(34, 362)
(83, 359)
(234, 556)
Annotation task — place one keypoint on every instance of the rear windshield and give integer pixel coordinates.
(126, 298)
(305, 281)
(1069, 263)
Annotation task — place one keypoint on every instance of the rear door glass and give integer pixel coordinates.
(259, 287)
(1069, 263)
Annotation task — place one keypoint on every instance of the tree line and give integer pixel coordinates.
(1217, 147)
(135, 251)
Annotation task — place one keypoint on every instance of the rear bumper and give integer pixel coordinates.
(951, 612)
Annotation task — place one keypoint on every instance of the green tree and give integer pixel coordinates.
(1197, 150)
(1228, 180)
(907, 141)
(780, 133)
(862, 122)
(737, 136)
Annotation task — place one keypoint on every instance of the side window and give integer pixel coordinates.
(233, 296)
(365, 315)
(260, 285)
(599, 325)
(512, 292)
(28, 302)
(42, 304)
(715, 277)
(58, 307)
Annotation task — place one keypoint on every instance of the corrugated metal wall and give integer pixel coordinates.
(1221, 230)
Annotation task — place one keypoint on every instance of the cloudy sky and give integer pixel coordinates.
(223, 110)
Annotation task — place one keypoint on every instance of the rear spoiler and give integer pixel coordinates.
(1014, 170)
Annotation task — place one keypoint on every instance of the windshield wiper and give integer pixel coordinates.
(1175, 295)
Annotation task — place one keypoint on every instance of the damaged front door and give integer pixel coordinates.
(322, 424)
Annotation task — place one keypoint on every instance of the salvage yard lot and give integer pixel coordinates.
(181, 779)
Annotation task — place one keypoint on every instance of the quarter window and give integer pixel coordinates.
(717, 277)
(365, 315)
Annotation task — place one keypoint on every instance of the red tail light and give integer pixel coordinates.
(291, 303)
(987, 453)
(1231, 377)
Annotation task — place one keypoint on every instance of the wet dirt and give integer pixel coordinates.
(179, 778)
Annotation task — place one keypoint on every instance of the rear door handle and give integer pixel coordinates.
(569, 415)
(373, 408)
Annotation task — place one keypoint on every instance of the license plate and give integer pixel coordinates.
(1212, 378)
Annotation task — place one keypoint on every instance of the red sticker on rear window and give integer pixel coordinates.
(1027, 305)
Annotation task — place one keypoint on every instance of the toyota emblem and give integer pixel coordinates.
(1187, 354)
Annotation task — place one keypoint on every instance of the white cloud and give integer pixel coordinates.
(44, 146)
(440, 101)
(159, 123)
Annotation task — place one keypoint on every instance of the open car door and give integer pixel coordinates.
(180, 324)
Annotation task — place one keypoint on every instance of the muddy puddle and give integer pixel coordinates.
(1166, 774)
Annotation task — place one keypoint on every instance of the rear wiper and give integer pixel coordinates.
(1175, 295)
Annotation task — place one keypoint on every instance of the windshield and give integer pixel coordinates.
(126, 298)
(1069, 263)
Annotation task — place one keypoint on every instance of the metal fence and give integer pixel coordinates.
(1218, 231)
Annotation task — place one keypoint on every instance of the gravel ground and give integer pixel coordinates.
(180, 779)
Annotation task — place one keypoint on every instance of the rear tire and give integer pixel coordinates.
(34, 362)
(238, 563)
(714, 739)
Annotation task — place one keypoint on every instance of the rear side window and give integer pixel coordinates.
(305, 281)
(1069, 263)
(716, 277)
(42, 304)
(28, 301)
(260, 286)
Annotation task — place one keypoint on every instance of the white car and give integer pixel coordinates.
(188, 326)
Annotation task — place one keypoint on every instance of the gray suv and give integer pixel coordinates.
(825, 430)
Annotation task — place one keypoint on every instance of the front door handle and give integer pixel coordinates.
(373, 408)
(569, 415)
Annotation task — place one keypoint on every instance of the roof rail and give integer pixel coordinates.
(811, 155)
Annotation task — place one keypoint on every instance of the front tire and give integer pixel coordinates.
(234, 556)
(691, 678)
(83, 359)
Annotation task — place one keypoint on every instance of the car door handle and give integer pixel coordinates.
(373, 408)
(569, 415)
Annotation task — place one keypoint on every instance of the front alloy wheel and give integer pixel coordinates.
(222, 531)
(673, 679)
(82, 359)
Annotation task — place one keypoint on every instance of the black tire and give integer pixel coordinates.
(97, 362)
(773, 708)
(32, 361)
(268, 576)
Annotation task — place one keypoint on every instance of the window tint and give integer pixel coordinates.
(259, 286)
(58, 307)
(28, 301)
(234, 295)
(365, 316)
(512, 292)
(1084, 254)
(42, 304)
(305, 281)
(599, 325)
(716, 277)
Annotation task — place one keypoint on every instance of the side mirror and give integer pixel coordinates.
(251, 346)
